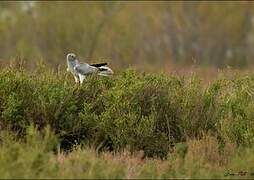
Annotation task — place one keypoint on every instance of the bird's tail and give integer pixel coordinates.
(105, 71)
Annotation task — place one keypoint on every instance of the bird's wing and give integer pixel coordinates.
(105, 71)
(99, 64)
(104, 68)
(85, 69)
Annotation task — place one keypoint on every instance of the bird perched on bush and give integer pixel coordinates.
(81, 70)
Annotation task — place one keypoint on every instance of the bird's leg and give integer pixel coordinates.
(76, 79)
(81, 78)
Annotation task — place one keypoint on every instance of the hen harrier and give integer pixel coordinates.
(81, 70)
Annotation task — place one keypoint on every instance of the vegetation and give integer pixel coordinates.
(176, 120)
(153, 34)
(133, 124)
(34, 158)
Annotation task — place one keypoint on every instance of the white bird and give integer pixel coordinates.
(81, 70)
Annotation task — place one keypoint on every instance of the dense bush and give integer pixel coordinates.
(137, 111)
(32, 157)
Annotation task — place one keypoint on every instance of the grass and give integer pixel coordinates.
(133, 125)
(34, 157)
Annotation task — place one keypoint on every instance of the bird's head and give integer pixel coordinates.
(71, 57)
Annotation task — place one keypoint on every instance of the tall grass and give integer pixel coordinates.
(137, 111)
(131, 125)
(34, 157)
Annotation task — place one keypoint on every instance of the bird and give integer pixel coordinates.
(81, 70)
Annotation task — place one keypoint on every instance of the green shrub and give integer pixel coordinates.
(138, 111)
(34, 158)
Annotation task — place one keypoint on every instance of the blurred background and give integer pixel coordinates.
(155, 36)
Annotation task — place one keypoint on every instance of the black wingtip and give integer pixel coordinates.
(99, 64)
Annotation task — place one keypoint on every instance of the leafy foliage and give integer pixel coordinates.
(137, 111)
